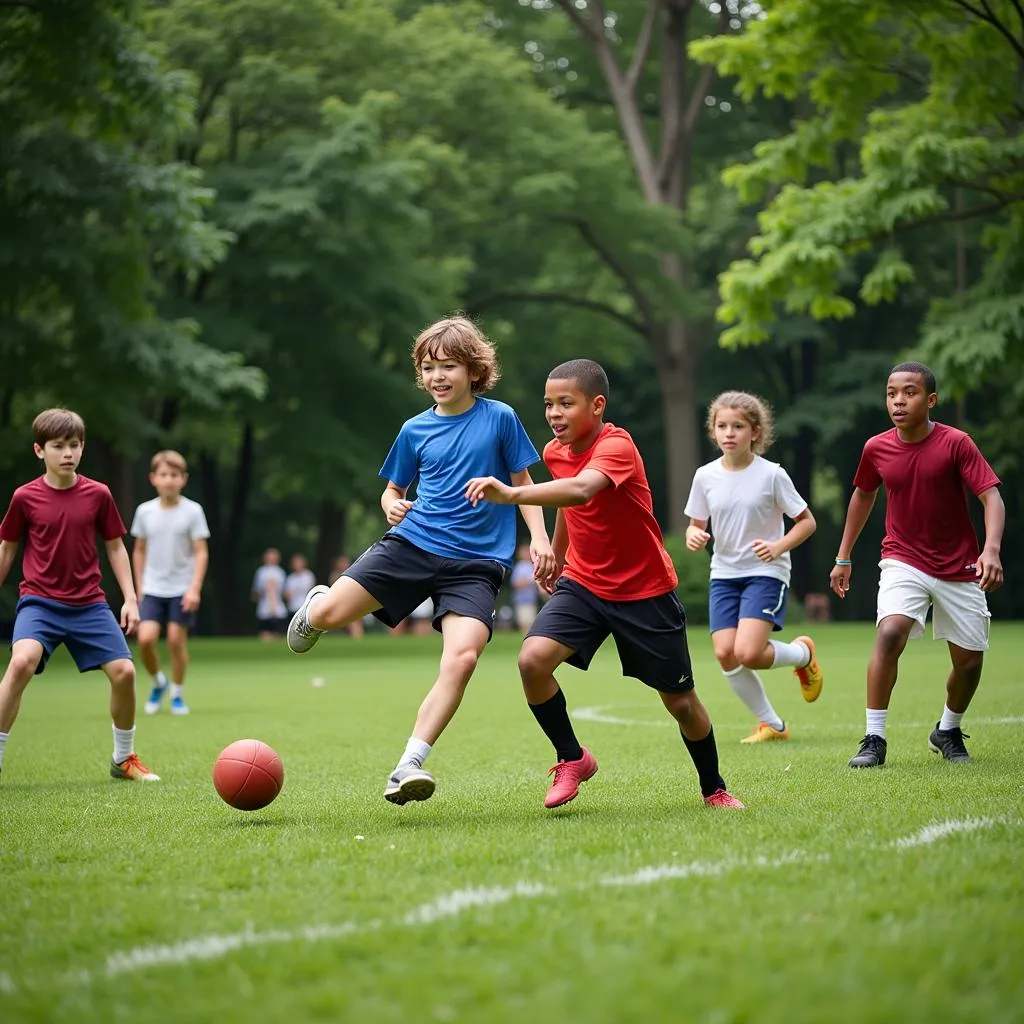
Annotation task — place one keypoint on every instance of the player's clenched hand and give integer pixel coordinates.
(765, 550)
(544, 564)
(488, 488)
(397, 511)
(130, 616)
(696, 538)
(989, 571)
(839, 579)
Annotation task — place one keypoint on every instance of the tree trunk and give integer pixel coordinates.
(677, 357)
(330, 538)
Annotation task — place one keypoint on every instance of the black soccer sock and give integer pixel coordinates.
(553, 718)
(705, 759)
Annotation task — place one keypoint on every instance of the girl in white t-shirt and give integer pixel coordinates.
(745, 498)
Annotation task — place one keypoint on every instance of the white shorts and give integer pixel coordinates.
(959, 609)
(525, 614)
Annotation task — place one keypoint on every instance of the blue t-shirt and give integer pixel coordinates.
(444, 452)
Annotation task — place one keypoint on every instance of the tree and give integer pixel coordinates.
(914, 123)
(661, 139)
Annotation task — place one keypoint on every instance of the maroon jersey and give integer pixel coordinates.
(927, 524)
(59, 528)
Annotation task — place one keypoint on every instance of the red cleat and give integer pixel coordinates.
(720, 798)
(568, 776)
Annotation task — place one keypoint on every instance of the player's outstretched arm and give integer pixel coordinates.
(121, 566)
(533, 515)
(857, 512)
(990, 566)
(8, 549)
(572, 490)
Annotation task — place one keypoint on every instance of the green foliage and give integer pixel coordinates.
(694, 572)
(911, 116)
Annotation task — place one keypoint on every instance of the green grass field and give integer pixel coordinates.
(886, 895)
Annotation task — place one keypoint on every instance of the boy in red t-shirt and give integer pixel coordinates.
(929, 554)
(616, 579)
(59, 515)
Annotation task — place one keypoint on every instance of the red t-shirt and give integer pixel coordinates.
(615, 544)
(927, 524)
(59, 528)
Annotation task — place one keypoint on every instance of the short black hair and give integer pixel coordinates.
(589, 376)
(926, 374)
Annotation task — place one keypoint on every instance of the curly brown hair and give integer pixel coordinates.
(756, 411)
(461, 341)
(57, 425)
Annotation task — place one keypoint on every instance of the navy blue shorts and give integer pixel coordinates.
(649, 634)
(164, 610)
(90, 632)
(748, 597)
(402, 576)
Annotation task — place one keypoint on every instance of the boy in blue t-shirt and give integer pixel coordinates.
(439, 545)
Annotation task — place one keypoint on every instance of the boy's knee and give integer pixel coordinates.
(681, 706)
(121, 672)
(461, 663)
(892, 636)
(747, 654)
(533, 662)
(23, 666)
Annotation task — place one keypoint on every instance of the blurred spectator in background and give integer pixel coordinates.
(298, 583)
(525, 592)
(268, 593)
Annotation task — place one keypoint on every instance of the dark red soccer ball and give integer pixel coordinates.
(248, 775)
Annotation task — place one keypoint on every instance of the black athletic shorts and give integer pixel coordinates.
(650, 634)
(402, 576)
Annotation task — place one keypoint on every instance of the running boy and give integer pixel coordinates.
(58, 515)
(745, 497)
(439, 546)
(929, 554)
(170, 558)
(616, 578)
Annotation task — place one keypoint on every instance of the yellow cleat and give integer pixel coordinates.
(764, 733)
(810, 676)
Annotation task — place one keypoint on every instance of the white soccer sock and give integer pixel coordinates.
(950, 719)
(876, 721)
(796, 655)
(124, 743)
(176, 690)
(747, 685)
(416, 752)
(3, 743)
(160, 680)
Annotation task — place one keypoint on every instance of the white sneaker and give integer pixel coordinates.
(409, 782)
(301, 635)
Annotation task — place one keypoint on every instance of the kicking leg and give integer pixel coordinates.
(327, 608)
(464, 641)
(739, 652)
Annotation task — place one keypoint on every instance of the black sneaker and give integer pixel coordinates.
(871, 753)
(949, 743)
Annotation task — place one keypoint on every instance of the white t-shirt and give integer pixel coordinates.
(296, 587)
(742, 507)
(265, 608)
(169, 532)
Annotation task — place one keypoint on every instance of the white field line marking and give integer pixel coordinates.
(454, 904)
(932, 833)
(599, 713)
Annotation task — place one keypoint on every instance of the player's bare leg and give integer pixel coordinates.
(177, 648)
(947, 738)
(125, 763)
(464, 641)
(149, 637)
(327, 608)
(883, 669)
(25, 658)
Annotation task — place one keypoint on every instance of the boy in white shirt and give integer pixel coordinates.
(298, 583)
(170, 559)
(745, 497)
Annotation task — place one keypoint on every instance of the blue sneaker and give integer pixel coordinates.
(156, 695)
(178, 706)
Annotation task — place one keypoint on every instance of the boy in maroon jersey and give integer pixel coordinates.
(929, 554)
(616, 579)
(59, 515)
